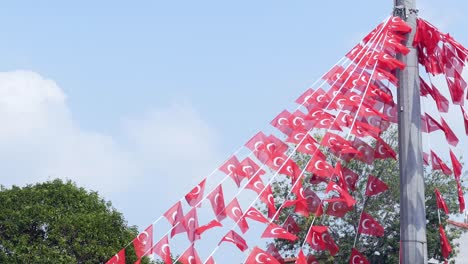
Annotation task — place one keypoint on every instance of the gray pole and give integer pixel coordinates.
(413, 248)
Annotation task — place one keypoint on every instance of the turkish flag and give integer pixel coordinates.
(144, 242)
(440, 202)
(438, 164)
(258, 255)
(332, 186)
(319, 239)
(361, 129)
(393, 43)
(338, 144)
(337, 207)
(465, 118)
(313, 98)
(163, 250)
(254, 214)
(441, 102)
(195, 196)
(118, 258)
(305, 142)
(216, 198)
(273, 251)
(210, 260)
(291, 226)
(276, 231)
(369, 226)
(175, 215)
(357, 257)
(266, 195)
(457, 167)
(191, 224)
(319, 167)
(449, 135)
(266, 148)
(190, 256)
(444, 243)
(212, 224)
(426, 159)
(375, 186)
(367, 153)
(313, 201)
(236, 239)
(234, 211)
(396, 24)
(351, 178)
(424, 89)
(461, 199)
(457, 86)
(249, 168)
(240, 170)
(383, 150)
(429, 124)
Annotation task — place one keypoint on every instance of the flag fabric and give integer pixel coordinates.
(258, 255)
(357, 257)
(383, 150)
(461, 199)
(375, 186)
(301, 258)
(456, 165)
(465, 118)
(216, 198)
(332, 186)
(236, 239)
(194, 197)
(190, 223)
(255, 215)
(163, 250)
(143, 242)
(449, 135)
(273, 251)
(440, 202)
(212, 224)
(337, 207)
(234, 211)
(369, 226)
(175, 215)
(444, 243)
(118, 258)
(291, 225)
(276, 231)
(438, 164)
(319, 239)
(190, 256)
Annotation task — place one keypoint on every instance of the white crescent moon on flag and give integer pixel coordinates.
(190, 260)
(277, 231)
(216, 201)
(257, 258)
(236, 209)
(275, 161)
(354, 260)
(165, 249)
(231, 168)
(298, 121)
(299, 136)
(246, 169)
(333, 207)
(174, 215)
(282, 121)
(190, 221)
(258, 144)
(196, 190)
(313, 239)
(271, 199)
(146, 239)
(381, 150)
(319, 98)
(364, 224)
(257, 186)
(271, 146)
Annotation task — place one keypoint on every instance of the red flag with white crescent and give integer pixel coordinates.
(258, 255)
(190, 256)
(275, 231)
(369, 226)
(357, 257)
(375, 186)
(163, 250)
(337, 207)
(319, 167)
(440, 202)
(236, 239)
(196, 194)
(191, 224)
(234, 211)
(118, 258)
(144, 242)
(301, 258)
(383, 150)
(254, 214)
(291, 225)
(249, 168)
(429, 124)
(332, 186)
(216, 198)
(175, 215)
(438, 164)
(396, 24)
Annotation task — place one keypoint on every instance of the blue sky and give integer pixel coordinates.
(116, 95)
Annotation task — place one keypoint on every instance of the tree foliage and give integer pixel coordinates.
(58, 222)
(383, 207)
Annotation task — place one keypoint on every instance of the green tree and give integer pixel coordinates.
(383, 207)
(58, 222)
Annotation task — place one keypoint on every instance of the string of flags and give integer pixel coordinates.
(342, 120)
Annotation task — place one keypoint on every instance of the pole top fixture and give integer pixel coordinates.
(403, 12)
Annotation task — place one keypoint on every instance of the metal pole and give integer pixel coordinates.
(413, 246)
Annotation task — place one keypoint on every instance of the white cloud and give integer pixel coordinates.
(39, 139)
